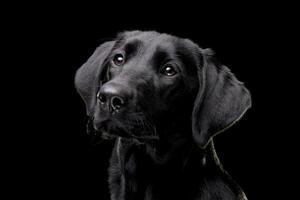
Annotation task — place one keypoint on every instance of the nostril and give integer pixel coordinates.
(117, 102)
(101, 98)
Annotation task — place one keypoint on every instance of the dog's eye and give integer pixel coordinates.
(168, 70)
(118, 59)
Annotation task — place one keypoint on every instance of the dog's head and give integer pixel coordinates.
(146, 84)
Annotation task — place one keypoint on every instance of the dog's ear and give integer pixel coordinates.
(89, 76)
(221, 101)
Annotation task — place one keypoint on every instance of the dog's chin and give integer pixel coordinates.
(115, 133)
(108, 131)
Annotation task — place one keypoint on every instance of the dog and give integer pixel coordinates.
(162, 99)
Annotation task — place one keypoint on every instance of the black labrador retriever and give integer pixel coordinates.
(162, 99)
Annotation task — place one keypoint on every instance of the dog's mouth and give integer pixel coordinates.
(110, 129)
(107, 131)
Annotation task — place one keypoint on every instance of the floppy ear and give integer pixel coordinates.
(221, 101)
(89, 76)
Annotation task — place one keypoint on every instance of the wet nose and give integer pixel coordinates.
(113, 96)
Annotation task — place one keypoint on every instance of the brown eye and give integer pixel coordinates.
(118, 59)
(168, 70)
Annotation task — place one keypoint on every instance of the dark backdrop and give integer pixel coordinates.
(53, 156)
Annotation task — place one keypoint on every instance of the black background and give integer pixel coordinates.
(49, 153)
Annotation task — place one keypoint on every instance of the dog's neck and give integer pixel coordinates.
(180, 171)
(172, 150)
(175, 151)
(143, 163)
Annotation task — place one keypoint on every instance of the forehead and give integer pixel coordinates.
(147, 41)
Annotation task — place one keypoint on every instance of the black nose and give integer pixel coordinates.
(112, 96)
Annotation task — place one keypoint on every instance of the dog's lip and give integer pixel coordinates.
(100, 125)
(124, 134)
(102, 128)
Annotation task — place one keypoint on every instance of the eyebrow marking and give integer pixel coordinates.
(160, 56)
(187, 56)
(131, 48)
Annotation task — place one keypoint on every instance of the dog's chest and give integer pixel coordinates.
(129, 171)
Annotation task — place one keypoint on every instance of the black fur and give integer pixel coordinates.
(164, 126)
